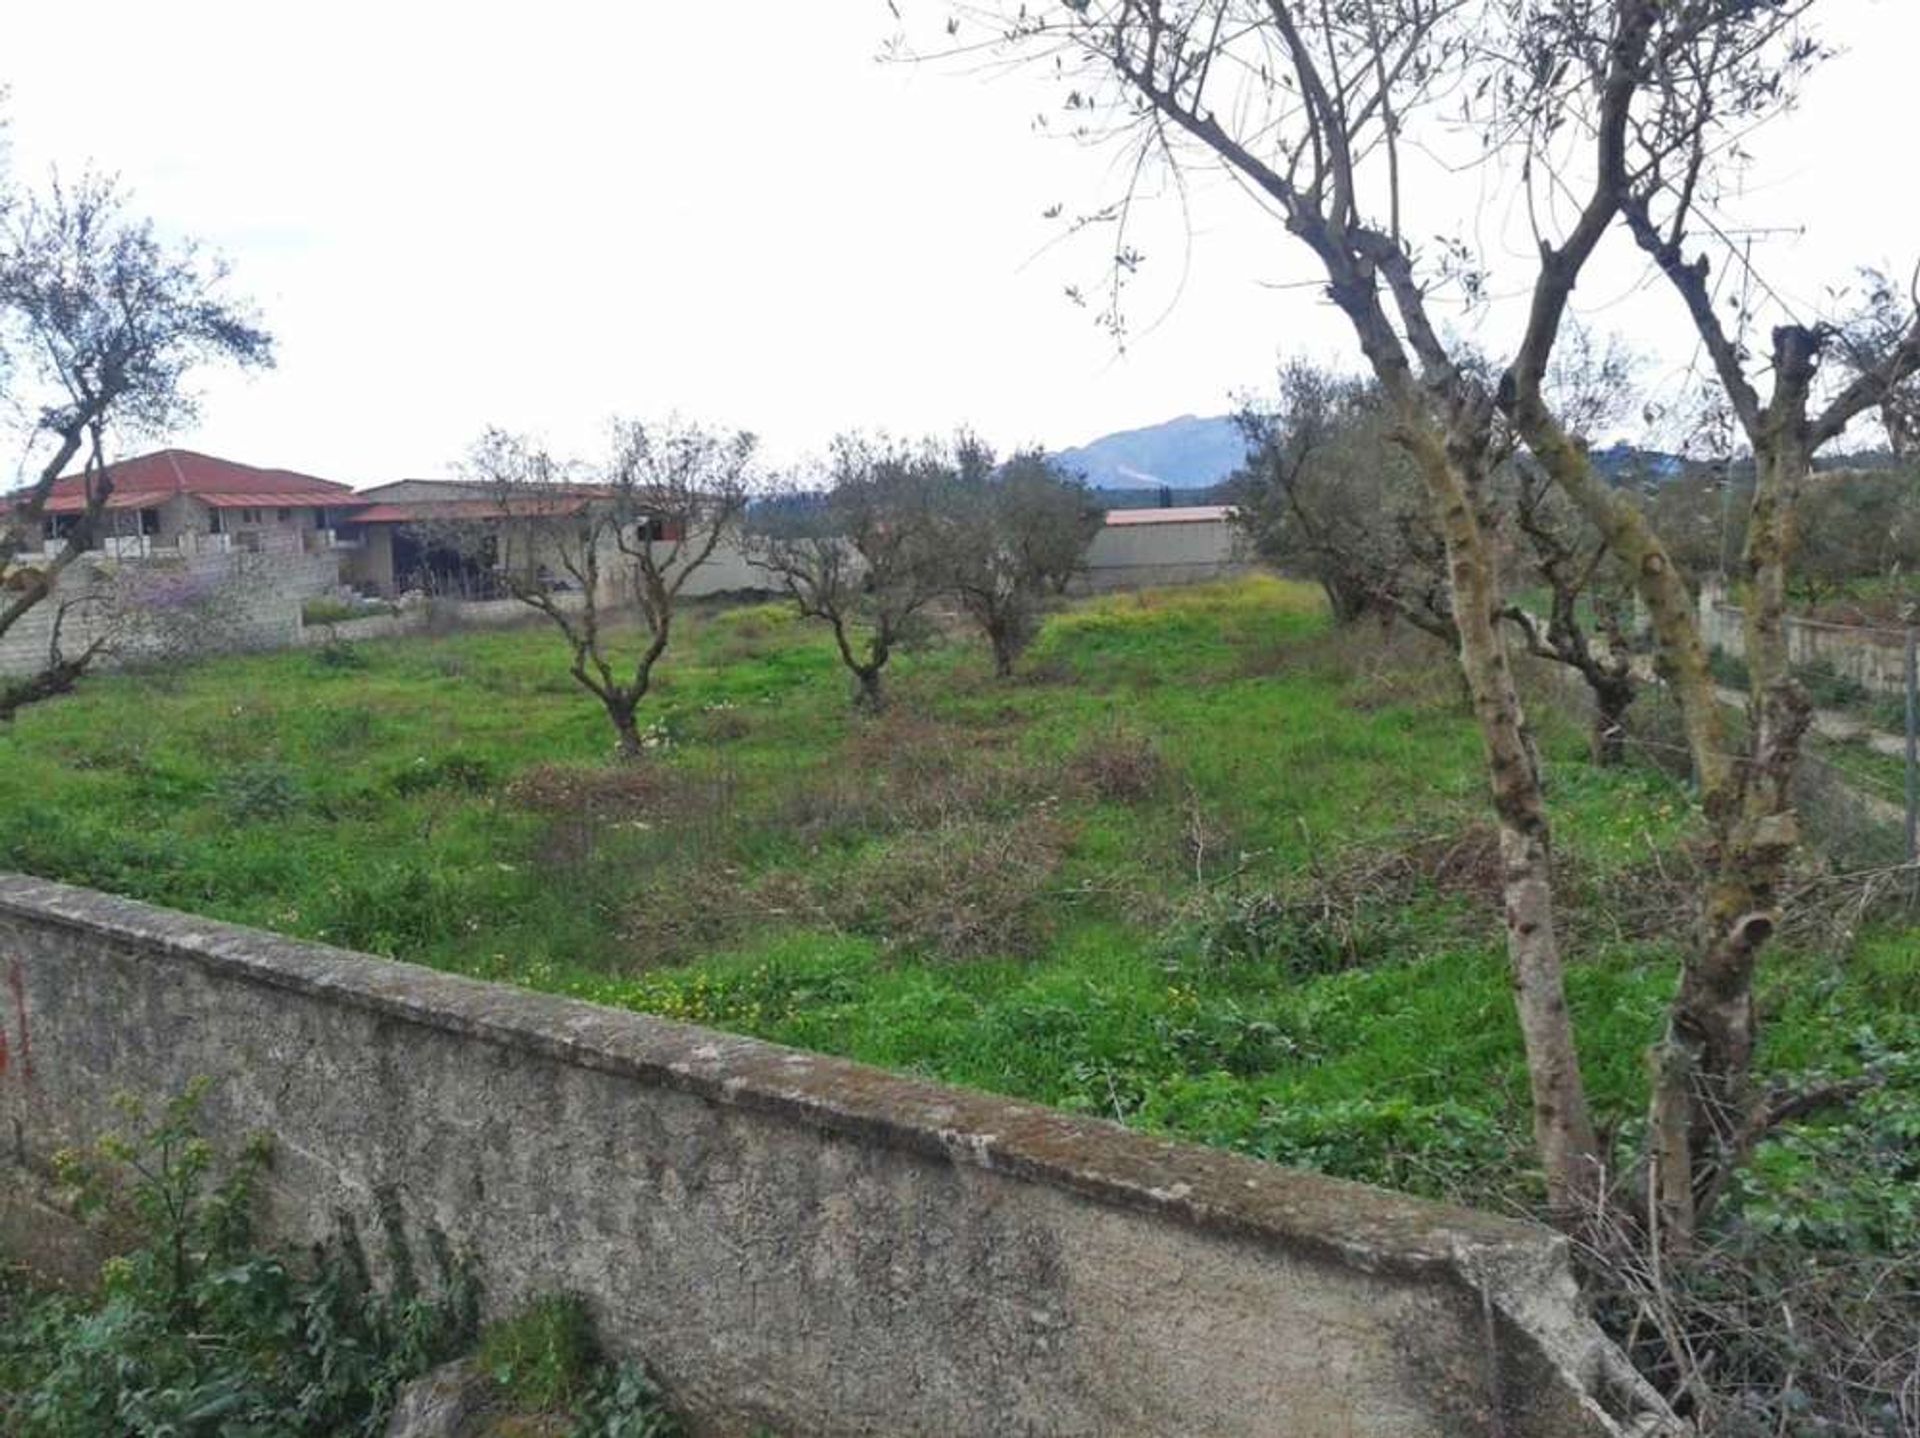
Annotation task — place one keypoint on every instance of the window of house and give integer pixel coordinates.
(249, 516)
(283, 515)
(149, 521)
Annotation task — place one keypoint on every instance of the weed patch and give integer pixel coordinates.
(962, 890)
(1120, 767)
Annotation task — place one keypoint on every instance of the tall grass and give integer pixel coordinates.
(1031, 887)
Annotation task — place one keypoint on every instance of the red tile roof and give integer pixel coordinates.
(153, 479)
(1190, 514)
(282, 499)
(423, 510)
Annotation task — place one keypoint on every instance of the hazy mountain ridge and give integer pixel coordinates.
(1191, 452)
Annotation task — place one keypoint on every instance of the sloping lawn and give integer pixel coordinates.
(1206, 868)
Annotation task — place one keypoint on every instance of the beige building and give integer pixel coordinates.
(1138, 548)
(402, 541)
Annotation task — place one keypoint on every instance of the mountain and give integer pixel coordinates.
(1624, 463)
(1185, 453)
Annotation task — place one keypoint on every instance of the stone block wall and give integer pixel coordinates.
(173, 606)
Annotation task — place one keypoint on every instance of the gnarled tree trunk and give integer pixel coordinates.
(869, 695)
(1454, 474)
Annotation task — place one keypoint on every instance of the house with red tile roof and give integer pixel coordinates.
(176, 501)
(191, 553)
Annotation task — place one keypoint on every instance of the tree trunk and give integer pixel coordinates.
(1348, 602)
(1611, 700)
(1563, 1129)
(1004, 653)
(1452, 462)
(1704, 1101)
(626, 730)
(868, 694)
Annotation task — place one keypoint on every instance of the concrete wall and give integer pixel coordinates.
(791, 1239)
(725, 572)
(1873, 658)
(1139, 556)
(172, 606)
(417, 618)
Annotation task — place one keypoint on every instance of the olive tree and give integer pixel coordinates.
(1656, 148)
(1318, 111)
(1016, 533)
(861, 551)
(102, 325)
(1328, 495)
(589, 548)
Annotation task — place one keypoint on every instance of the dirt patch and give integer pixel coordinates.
(908, 771)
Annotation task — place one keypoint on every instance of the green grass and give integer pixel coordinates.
(782, 867)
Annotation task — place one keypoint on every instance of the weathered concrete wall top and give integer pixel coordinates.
(1875, 657)
(790, 1239)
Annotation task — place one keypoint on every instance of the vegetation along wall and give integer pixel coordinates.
(1874, 658)
(789, 1240)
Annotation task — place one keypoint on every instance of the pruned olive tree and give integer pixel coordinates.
(1318, 110)
(606, 552)
(102, 325)
(861, 552)
(1327, 494)
(1656, 155)
(1016, 534)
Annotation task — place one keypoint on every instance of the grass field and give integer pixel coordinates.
(1207, 868)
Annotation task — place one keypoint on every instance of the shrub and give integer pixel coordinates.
(1441, 1149)
(347, 727)
(407, 906)
(1120, 767)
(625, 791)
(450, 769)
(1889, 711)
(329, 609)
(964, 890)
(1361, 909)
(1729, 669)
(626, 1403)
(1830, 689)
(197, 1330)
(339, 654)
(907, 771)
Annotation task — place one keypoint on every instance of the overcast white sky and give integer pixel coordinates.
(541, 215)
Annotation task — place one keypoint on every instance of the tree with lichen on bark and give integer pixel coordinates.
(1660, 167)
(1319, 110)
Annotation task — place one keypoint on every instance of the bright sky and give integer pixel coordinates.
(544, 215)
